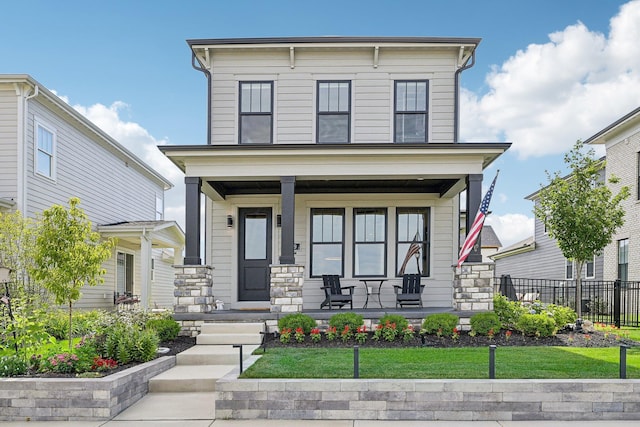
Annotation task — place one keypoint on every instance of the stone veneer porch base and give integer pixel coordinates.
(454, 400)
(77, 399)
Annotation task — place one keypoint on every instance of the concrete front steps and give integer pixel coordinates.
(198, 368)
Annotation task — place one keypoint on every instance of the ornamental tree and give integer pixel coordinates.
(68, 254)
(580, 211)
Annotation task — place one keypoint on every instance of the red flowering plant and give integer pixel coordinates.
(491, 334)
(101, 365)
(408, 333)
(62, 363)
(455, 335)
(315, 335)
(346, 333)
(331, 333)
(388, 331)
(299, 334)
(507, 335)
(361, 334)
(285, 335)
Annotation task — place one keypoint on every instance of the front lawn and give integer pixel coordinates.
(450, 363)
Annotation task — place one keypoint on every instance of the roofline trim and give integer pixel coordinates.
(333, 40)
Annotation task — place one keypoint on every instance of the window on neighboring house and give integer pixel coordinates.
(370, 244)
(153, 269)
(591, 268)
(159, 208)
(623, 260)
(638, 175)
(45, 151)
(327, 241)
(411, 111)
(256, 118)
(568, 268)
(334, 112)
(124, 274)
(412, 244)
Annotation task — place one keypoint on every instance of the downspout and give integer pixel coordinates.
(23, 109)
(456, 112)
(207, 73)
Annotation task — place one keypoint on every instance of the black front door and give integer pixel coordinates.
(254, 254)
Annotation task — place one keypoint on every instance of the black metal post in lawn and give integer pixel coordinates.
(356, 361)
(240, 347)
(623, 361)
(617, 285)
(492, 362)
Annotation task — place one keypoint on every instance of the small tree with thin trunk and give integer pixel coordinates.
(580, 211)
(69, 254)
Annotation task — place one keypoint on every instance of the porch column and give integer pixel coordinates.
(145, 269)
(288, 195)
(192, 220)
(474, 198)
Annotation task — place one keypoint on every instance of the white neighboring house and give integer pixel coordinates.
(49, 153)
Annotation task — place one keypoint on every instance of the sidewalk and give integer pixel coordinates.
(197, 410)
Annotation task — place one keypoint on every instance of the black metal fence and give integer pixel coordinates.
(612, 302)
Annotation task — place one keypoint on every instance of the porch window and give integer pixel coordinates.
(327, 242)
(45, 151)
(412, 241)
(124, 274)
(256, 118)
(623, 260)
(411, 111)
(370, 244)
(334, 112)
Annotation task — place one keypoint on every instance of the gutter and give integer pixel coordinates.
(456, 112)
(207, 74)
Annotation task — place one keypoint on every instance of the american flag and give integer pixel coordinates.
(476, 227)
(414, 249)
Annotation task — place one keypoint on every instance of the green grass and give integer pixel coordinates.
(458, 363)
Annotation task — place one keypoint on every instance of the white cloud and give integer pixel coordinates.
(547, 96)
(511, 228)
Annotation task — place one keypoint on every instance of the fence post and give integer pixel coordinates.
(616, 302)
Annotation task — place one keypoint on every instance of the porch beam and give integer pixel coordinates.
(192, 220)
(288, 200)
(474, 198)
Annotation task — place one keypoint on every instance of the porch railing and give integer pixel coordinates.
(603, 301)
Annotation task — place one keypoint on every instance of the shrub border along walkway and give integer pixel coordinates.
(460, 400)
(77, 399)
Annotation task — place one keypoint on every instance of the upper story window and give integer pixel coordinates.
(591, 268)
(256, 112)
(568, 269)
(412, 245)
(334, 112)
(623, 259)
(411, 111)
(370, 242)
(327, 241)
(159, 207)
(45, 158)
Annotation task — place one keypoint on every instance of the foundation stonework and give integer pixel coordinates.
(473, 287)
(287, 281)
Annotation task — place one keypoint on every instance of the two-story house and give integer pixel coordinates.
(49, 153)
(333, 154)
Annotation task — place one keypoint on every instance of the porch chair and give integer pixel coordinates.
(333, 292)
(410, 293)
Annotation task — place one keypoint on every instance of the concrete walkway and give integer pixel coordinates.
(198, 409)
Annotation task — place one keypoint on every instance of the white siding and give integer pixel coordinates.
(8, 143)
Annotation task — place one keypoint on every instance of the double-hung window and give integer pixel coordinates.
(412, 244)
(334, 112)
(124, 274)
(591, 268)
(45, 151)
(623, 259)
(411, 111)
(370, 244)
(256, 112)
(568, 269)
(327, 241)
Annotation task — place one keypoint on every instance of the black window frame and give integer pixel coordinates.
(397, 113)
(623, 267)
(242, 114)
(320, 113)
(314, 211)
(425, 242)
(355, 243)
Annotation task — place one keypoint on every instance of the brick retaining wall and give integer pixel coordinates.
(77, 399)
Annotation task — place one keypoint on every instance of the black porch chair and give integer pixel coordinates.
(410, 293)
(333, 292)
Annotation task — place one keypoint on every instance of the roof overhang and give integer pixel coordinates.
(163, 234)
(345, 168)
(615, 130)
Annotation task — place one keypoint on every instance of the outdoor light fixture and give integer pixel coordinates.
(278, 220)
(229, 221)
(5, 272)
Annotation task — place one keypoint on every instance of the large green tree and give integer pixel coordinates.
(69, 254)
(580, 211)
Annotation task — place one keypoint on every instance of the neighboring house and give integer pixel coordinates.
(489, 241)
(622, 142)
(333, 154)
(49, 153)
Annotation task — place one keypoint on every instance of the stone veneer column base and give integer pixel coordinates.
(193, 293)
(287, 281)
(473, 287)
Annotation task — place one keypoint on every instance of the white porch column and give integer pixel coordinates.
(145, 270)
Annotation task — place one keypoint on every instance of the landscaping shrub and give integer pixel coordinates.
(539, 325)
(340, 320)
(10, 366)
(294, 321)
(508, 311)
(145, 345)
(400, 321)
(562, 316)
(440, 323)
(167, 329)
(126, 343)
(485, 323)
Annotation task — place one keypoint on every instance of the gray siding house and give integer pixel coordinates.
(330, 155)
(49, 153)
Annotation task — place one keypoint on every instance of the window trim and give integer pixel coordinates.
(626, 264)
(586, 269)
(126, 264)
(38, 123)
(411, 112)
(385, 243)
(159, 207)
(242, 114)
(311, 242)
(426, 243)
(333, 113)
(569, 264)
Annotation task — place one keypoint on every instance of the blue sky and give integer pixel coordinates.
(548, 72)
